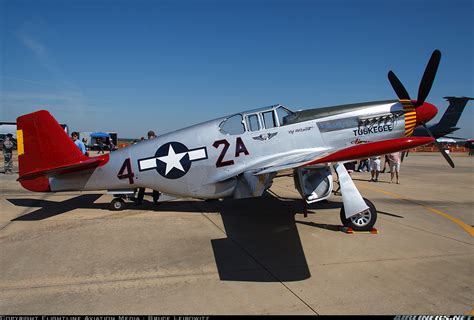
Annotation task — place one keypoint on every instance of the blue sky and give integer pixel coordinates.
(132, 66)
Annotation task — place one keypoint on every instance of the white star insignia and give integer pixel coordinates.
(172, 160)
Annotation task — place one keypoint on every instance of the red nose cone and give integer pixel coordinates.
(425, 112)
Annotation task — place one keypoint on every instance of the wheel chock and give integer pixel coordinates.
(351, 231)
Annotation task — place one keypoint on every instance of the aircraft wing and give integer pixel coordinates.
(294, 160)
(355, 152)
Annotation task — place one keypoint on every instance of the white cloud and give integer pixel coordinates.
(69, 95)
(39, 50)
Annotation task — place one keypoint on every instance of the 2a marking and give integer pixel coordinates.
(220, 160)
(239, 148)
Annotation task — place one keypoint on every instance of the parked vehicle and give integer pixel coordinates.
(99, 140)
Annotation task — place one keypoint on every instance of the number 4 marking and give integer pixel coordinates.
(126, 171)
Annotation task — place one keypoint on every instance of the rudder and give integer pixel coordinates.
(43, 145)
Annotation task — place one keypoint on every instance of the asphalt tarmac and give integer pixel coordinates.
(66, 253)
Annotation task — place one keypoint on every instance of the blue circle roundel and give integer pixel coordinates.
(172, 160)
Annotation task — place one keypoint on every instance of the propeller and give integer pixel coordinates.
(438, 145)
(398, 86)
(425, 84)
(423, 90)
(428, 77)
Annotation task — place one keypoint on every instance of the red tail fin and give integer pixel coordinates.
(44, 148)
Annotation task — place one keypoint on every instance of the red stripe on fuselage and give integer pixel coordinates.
(370, 149)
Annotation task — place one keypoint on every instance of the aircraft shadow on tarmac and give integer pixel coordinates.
(48, 209)
(262, 242)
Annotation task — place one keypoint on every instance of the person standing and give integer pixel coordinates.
(394, 163)
(141, 191)
(8, 153)
(84, 140)
(80, 145)
(350, 166)
(374, 163)
(111, 145)
(151, 135)
(100, 145)
(363, 165)
(470, 146)
(386, 162)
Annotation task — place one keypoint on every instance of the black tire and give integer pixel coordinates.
(117, 204)
(363, 222)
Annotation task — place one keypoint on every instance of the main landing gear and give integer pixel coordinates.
(363, 221)
(357, 213)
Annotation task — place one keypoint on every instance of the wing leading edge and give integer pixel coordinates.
(359, 151)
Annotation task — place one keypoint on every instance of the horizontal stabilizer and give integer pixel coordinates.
(66, 168)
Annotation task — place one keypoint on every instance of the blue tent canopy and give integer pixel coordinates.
(100, 135)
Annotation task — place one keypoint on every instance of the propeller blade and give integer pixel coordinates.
(398, 86)
(445, 155)
(428, 77)
(440, 148)
(404, 155)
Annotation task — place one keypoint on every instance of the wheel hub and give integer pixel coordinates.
(361, 219)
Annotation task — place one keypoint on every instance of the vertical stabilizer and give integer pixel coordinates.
(43, 145)
(453, 113)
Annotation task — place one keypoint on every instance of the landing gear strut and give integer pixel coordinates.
(363, 221)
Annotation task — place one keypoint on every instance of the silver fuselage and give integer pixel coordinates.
(213, 174)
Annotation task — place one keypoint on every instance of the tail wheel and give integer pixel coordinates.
(117, 204)
(363, 221)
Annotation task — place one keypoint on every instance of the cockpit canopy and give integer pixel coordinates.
(255, 120)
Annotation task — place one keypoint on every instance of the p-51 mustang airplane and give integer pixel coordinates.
(237, 156)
